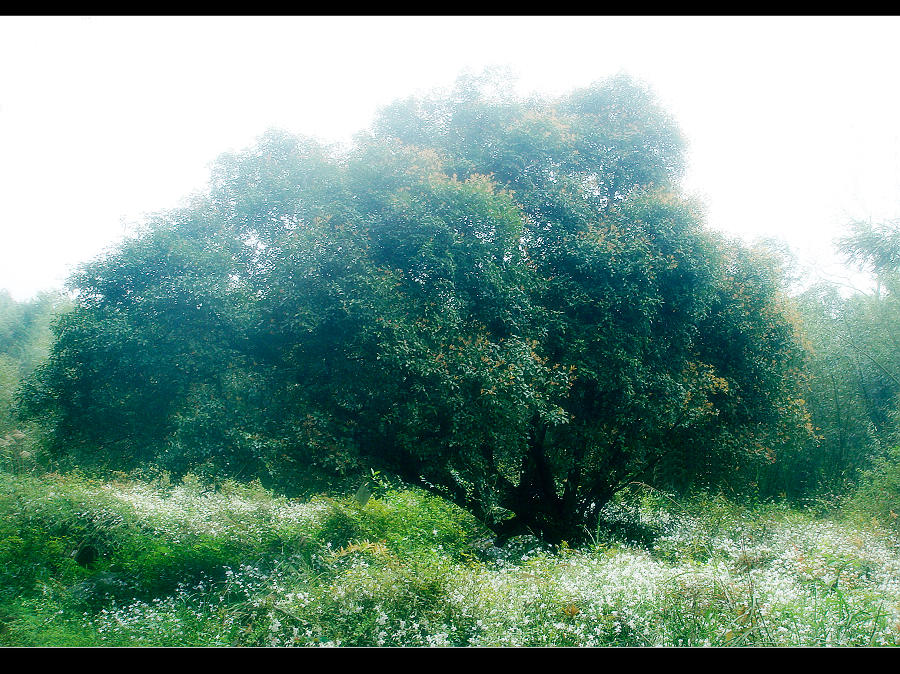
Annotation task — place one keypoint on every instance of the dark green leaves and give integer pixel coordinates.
(507, 301)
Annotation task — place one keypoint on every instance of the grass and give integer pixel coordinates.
(88, 562)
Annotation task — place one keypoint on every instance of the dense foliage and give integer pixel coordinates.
(25, 339)
(506, 301)
(853, 378)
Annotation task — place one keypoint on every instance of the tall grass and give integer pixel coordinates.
(125, 562)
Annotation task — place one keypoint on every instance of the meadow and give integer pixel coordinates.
(126, 561)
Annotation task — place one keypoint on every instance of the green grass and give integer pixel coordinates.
(91, 562)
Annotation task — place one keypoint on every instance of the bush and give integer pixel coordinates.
(878, 494)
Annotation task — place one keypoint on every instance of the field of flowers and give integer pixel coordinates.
(125, 562)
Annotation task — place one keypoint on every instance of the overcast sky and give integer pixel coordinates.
(792, 123)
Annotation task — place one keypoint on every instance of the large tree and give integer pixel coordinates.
(507, 301)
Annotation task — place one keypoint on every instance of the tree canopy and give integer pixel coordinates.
(507, 301)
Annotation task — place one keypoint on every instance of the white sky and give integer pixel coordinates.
(793, 123)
